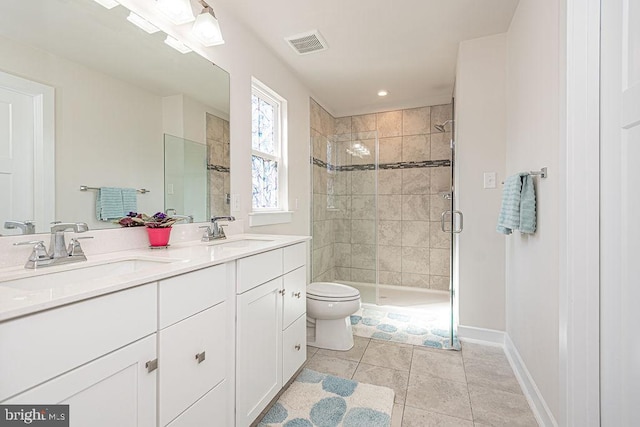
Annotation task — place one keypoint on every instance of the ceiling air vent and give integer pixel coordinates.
(308, 42)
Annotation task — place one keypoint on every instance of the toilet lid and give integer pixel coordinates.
(332, 290)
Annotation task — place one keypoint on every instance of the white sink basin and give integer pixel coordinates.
(240, 243)
(83, 273)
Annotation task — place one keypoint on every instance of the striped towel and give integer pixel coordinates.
(109, 204)
(509, 218)
(518, 211)
(129, 200)
(527, 206)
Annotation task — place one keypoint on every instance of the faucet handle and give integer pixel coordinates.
(74, 247)
(39, 250)
(206, 237)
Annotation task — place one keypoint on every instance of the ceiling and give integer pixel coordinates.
(407, 47)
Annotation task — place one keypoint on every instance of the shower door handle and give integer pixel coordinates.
(452, 213)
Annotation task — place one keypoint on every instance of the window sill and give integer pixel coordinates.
(257, 219)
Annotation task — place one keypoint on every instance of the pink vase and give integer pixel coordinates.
(159, 236)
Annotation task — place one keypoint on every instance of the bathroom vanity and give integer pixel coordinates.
(201, 333)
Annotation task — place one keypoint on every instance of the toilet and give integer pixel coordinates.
(329, 306)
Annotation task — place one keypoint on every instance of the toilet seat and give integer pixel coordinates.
(329, 291)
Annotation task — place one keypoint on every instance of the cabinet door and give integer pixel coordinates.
(210, 410)
(115, 390)
(295, 296)
(294, 348)
(259, 350)
(191, 360)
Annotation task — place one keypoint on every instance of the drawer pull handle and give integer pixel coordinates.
(200, 357)
(151, 365)
(297, 294)
(281, 292)
(297, 347)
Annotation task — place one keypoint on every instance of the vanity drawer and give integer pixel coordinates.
(258, 269)
(295, 296)
(38, 347)
(185, 295)
(182, 376)
(295, 256)
(294, 348)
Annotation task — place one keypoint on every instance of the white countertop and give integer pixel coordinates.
(17, 300)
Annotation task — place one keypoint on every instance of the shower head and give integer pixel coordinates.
(440, 127)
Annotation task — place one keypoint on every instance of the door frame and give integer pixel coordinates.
(43, 146)
(579, 292)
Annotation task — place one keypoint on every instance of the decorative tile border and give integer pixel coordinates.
(218, 168)
(371, 166)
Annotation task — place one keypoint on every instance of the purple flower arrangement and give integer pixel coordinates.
(158, 220)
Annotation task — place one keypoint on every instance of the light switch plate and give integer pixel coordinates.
(489, 180)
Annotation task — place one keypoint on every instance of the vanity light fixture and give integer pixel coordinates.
(206, 28)
(383, 93)
(177, 44)
(178, 11)
(109, 4)
(142, 23)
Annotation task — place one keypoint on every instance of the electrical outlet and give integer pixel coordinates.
(170, 189)
(489, 180)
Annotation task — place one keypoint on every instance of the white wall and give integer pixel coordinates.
(534, 141)
(90, 150)
(243, 55)
(480, 147)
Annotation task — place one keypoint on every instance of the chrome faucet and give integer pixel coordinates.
(188, 218)
(58, 252)
(215, 231)
(26, 227)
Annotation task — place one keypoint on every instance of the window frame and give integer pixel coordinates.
(279, 104)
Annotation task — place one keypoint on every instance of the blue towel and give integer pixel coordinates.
(509, 218)
(518, 211)
(109, 204)
(129, 200)
(527, 206)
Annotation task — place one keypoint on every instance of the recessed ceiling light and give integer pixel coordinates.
(177, 44)
(383, 93)
(109, 4)
(142, 23)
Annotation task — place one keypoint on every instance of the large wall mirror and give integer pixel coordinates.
(88, 99)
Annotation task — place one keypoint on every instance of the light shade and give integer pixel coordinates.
(109, 4)
(178, 11)
(177, 44)
(207, 29)
(142, 23)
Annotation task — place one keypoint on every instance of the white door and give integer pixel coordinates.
(16, 157)
(27, 181)
(620, 207)
(259, 350)
(115, 390)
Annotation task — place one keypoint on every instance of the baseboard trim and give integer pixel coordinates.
(480, 335)
(537, 403)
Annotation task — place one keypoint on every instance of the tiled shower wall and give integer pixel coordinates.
(218, 165)
(413, 171)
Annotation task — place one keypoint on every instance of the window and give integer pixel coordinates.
(268, 155)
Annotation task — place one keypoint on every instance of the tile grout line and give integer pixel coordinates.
(464, 368)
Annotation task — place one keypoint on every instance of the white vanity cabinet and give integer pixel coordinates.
(271, 326)
(193, 340)
(91, 355)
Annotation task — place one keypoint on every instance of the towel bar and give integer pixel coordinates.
(542, 172)
(86, 188)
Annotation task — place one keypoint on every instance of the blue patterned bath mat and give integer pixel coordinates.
(403, 327)
(322, 400)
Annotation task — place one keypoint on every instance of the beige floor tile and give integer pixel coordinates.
(442, 364)
(438, 395)
(491, 373)
(359, 346)
(479, 351)
(311, 351)
(500, 408)
(392, 378)
(388, 355)
(414, 417)
(396, 415)
(332, 365)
